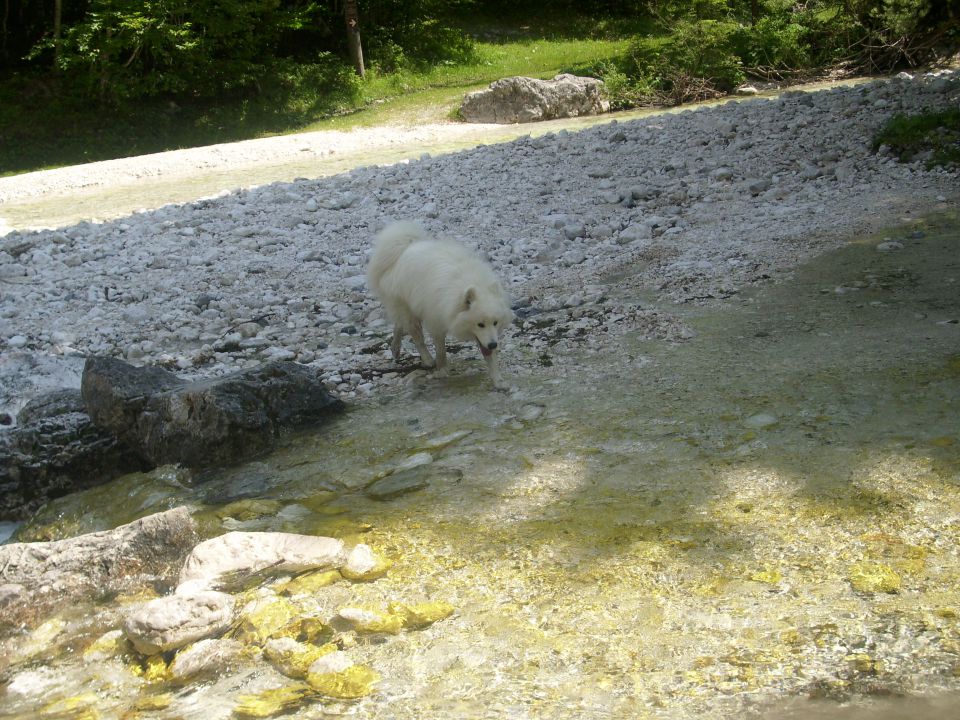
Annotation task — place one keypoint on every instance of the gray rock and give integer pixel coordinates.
(52, 574)
(171, 622)
(51, 404)
(523, 99)
(236, 556)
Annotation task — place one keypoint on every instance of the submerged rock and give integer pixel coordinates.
(371, 621)
(272, 702)
(206, 657)
(45, 575)
(265, 617)
(354, 682)
(364, 564)
(871, 577)
(294, 659)
(171, 622)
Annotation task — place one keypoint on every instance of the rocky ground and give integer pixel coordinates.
(697, 204)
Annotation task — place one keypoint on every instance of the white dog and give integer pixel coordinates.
(440, 287)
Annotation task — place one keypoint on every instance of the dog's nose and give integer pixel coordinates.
(492, 346)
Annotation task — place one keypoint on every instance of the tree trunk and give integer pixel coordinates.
(353, 35)
(57, 20)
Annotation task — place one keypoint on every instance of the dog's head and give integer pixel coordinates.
(484, 313)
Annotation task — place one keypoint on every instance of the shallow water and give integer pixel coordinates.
(645, 530)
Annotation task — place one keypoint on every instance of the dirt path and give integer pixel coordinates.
(113, 188)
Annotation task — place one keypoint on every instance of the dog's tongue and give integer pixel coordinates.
(484, 351)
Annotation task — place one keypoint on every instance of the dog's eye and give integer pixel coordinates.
(495, 322)
(480, 325)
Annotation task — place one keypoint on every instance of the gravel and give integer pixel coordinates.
(687, 207)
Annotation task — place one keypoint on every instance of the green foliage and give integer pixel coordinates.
(696, 61)
(775, 42)
(710, 46)
(933, 137)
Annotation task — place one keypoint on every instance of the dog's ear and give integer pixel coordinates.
(469, 297)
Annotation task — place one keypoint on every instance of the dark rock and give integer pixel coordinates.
(205, 423)
(51, 456)
(39, 577)
(115, 392)
(57, 402)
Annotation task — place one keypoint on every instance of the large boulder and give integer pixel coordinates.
(204, 423)
(39, 577)
(56, 449)
(523, 99)
(216, 562)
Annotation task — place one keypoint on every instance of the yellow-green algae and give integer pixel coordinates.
(78, 707)
(310, 583)
(265, 617)
(355, 682)
(871, 577)
(272, 702)
(294, 658)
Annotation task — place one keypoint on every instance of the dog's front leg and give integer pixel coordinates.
(493, 369)
(440, 346)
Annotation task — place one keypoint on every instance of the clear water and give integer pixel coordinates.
(644, 529)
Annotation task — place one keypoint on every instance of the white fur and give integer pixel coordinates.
(441, 288)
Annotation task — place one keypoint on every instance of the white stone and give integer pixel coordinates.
(244, 553)
(168, 623)
(334, 662)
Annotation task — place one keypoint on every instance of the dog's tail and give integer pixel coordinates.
(388, 247)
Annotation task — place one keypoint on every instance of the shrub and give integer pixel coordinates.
(697, 61)
(933, 137)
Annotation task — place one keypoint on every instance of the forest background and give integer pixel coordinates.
(84, 80)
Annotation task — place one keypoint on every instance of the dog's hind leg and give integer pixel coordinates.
(395, 342)
(416, 332)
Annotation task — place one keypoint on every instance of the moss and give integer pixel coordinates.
(155, 669)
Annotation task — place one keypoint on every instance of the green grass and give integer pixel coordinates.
(39, 131)
(408, 97)
(933, 137)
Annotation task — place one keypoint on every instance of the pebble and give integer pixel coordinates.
(292, 256)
